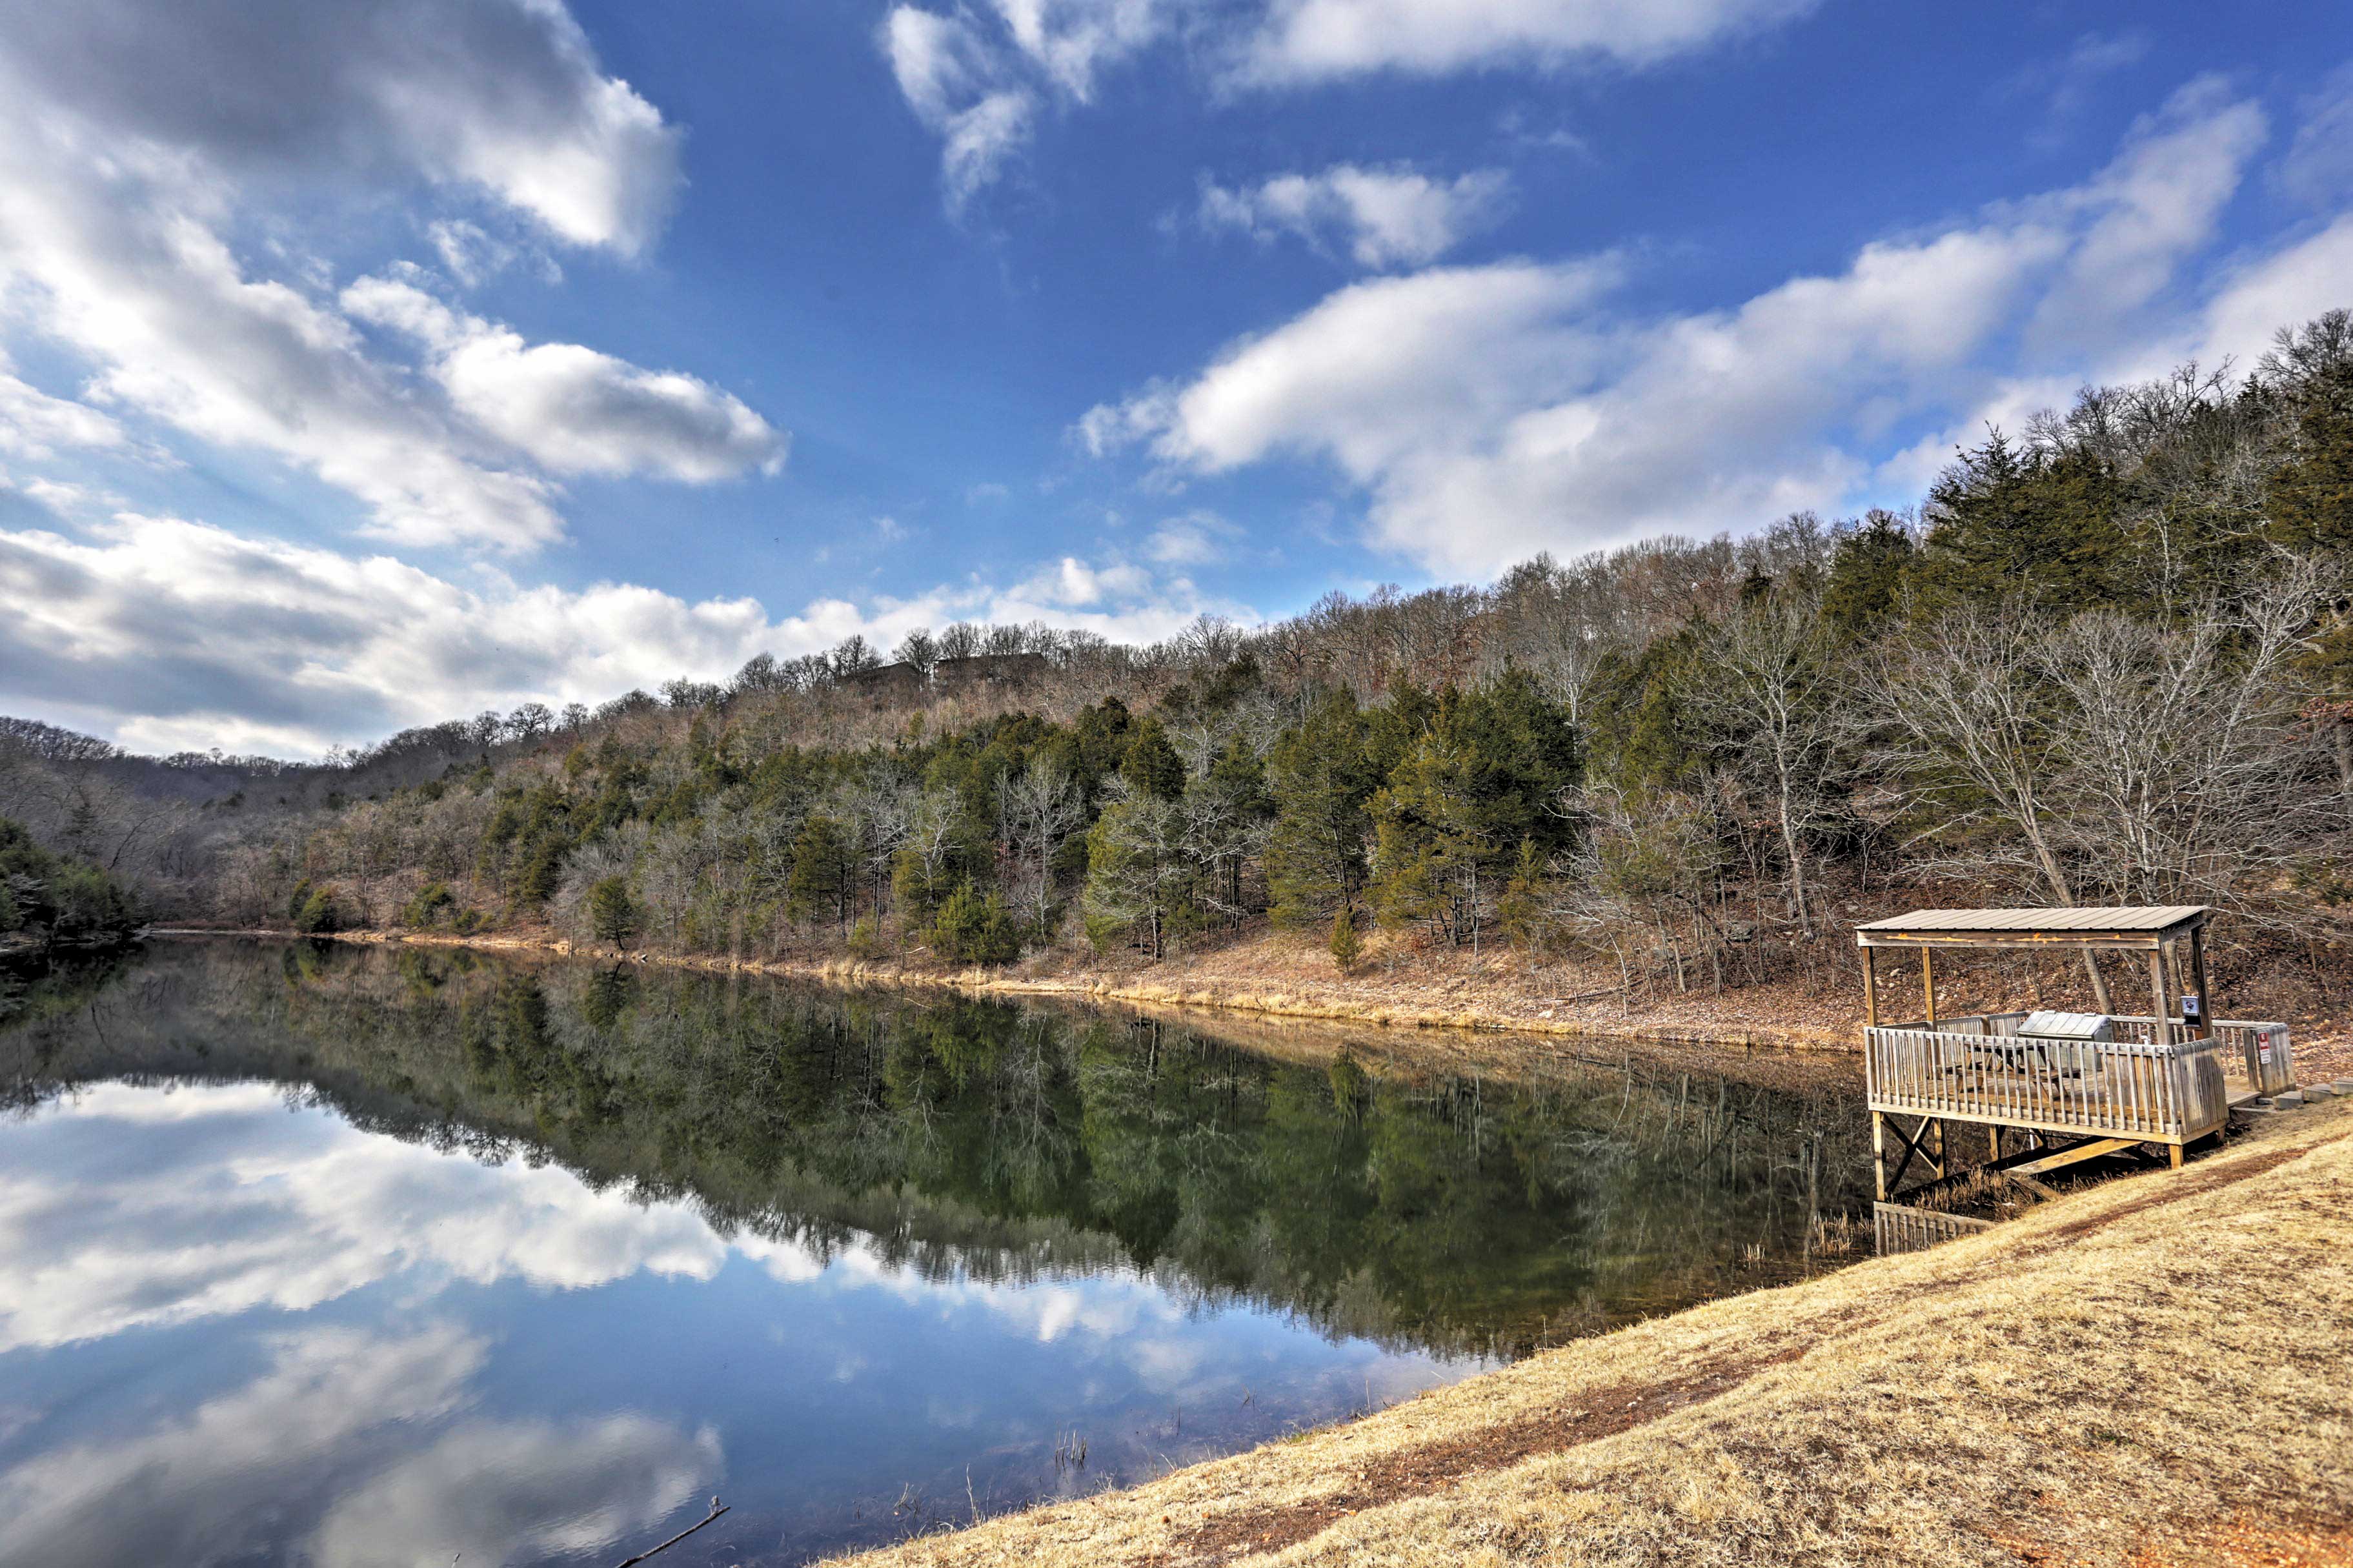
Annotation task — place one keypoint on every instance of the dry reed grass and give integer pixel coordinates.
(2152, 1372)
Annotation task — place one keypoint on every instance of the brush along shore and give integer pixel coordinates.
(2156, 1371)
(1487, 999)
(1276, 977)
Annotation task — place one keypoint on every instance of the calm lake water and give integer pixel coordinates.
(356, 1256)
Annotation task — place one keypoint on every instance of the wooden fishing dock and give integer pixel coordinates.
(2064, 1087)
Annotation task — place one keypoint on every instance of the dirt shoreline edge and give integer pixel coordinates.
(1205, 993)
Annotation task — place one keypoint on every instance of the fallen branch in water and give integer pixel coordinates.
(715, 1512)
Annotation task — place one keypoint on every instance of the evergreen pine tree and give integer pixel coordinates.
(2311, 499)
(824, 870)
(1322, 783)
(2044, 526)
(1151, 763)
(612, 913)
(1867, 572)
(1347, 945)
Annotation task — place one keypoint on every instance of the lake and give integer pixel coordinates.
(350, 1256)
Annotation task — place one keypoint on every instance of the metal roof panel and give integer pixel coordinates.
(2136, 918)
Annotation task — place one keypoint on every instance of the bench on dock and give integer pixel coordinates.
(2105, 1082)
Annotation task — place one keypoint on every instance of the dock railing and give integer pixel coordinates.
(1900, 1228)
(2154, 1083)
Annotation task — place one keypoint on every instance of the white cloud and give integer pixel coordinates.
(1312, 40)
(2285, 289)
(1381, 217)
(1072, 40)
(135, 142)
(34, 425)
(1072, 584)
(2157, 203)
(1492, 411)
(981, 76)
(124, 271)
(573, 410)
(1376, 371)
(168, 634)
(960, 86)
(504, 95)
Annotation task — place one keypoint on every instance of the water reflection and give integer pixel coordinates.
(355, 1257)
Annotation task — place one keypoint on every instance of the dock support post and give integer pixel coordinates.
(1928, 982)
(2162, 1034)
(1879, 1150)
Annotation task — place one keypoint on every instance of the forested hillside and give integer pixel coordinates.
(2106, 660)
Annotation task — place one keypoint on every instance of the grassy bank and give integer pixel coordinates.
(2148, 1373)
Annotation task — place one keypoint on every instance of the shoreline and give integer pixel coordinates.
(1208, 991)
(2056, 1389)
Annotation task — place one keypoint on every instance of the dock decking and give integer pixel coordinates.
(2167, 1077)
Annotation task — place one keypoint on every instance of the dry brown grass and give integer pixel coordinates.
(2155, 1372)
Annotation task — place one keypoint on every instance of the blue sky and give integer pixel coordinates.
(372, 361)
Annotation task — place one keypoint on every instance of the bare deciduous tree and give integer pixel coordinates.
(1038, 809)
(1768, 687)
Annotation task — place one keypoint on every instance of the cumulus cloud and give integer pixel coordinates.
(1379, 217)
(505, 95)
(573, 410)
(168, 634)
(132, 141)
(1492, 411)
(121, 267)
(1072, 584)
(1315, 40)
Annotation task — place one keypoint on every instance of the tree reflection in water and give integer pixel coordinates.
(1456, 1213)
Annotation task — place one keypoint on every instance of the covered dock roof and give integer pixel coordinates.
(2149, 927)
